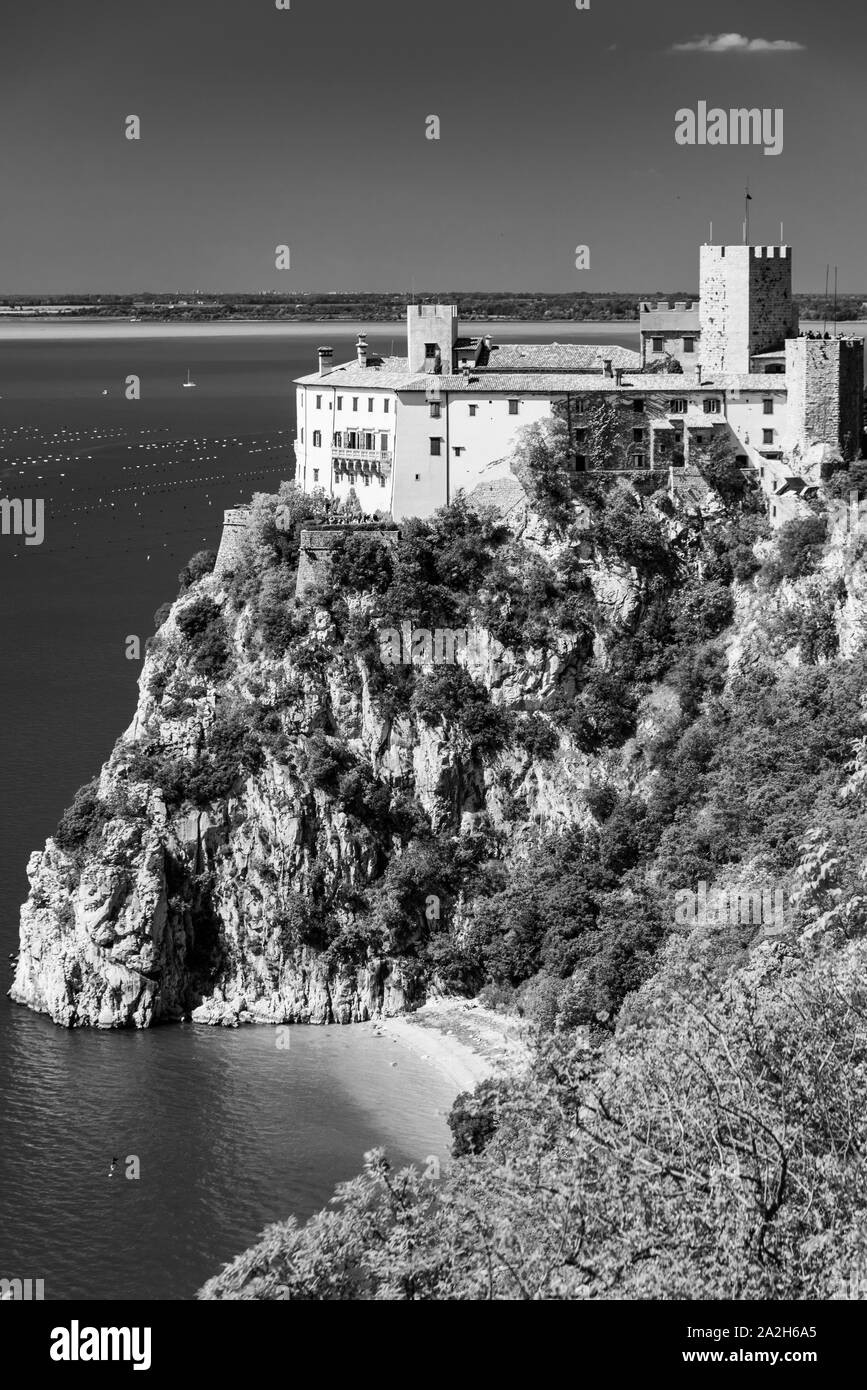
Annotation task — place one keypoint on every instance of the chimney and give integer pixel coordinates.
(361, 350)
(606, 366)
(618, 376)
(326, 360)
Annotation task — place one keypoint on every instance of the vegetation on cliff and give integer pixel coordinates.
(677, 701)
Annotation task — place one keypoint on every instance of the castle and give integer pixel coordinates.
(407, 433)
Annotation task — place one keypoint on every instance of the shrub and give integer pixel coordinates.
(204, 631)
(450, 695)
(634, 535)
(326, 760)
(361, 563)
(197, 566)
(718, 465)
(362, 795)
(473, 1118)
(606, 710)
(536, 736)
(83, 819)
(799, 549)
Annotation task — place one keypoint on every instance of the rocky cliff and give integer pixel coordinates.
(254, 848)
(167, 897)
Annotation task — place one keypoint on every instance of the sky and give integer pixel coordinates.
(307, 127)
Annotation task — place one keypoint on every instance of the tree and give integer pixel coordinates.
(718, 465)
(196, 567)
(543, 462)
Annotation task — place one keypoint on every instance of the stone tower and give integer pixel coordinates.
(824, 382)
(431, 334)
(746, 304)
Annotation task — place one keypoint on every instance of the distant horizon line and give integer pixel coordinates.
(443, 297)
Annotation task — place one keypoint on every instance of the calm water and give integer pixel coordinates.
(230, 1131)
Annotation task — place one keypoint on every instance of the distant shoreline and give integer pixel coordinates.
(60, 329)
(35, 330)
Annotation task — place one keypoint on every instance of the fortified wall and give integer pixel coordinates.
(318, 542)
(825, 381)
(235, 523)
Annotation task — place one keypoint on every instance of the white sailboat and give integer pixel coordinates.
(189, 381)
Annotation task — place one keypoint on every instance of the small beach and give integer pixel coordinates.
(464, 1041)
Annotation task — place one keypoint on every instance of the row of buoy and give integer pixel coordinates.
(59, 511)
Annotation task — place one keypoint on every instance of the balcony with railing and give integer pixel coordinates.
(350, 453)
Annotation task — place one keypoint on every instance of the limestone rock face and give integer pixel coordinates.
(236, 902)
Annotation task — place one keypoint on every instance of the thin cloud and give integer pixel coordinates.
(735, 43)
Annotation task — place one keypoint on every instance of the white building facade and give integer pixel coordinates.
(408, 433)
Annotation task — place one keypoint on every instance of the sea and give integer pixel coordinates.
(221, 1131)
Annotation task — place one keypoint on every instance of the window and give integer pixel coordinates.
(367, 480)
(513, 407)
(767, 436)
(383, 443)
(354, 402)
(430, 349)
(458, 449)
(689, 344)
(417, 477)
(658, 345)
(386, 405)
(316, 475)
(580, 461)
(351, 439)
(741, 460)
(638, 407)
(436, 410)
(381, 482)
(768, 407)
(640, 460)
(580, 435)
(338, 439)
(317, 439)
(638, 436)
(474, 409)
(711, 406)
(302, 434)
(580, 406)
(435, 447)
(370, 404)
(339, 402)
(677, 407)
(368, 441)
(318, 402)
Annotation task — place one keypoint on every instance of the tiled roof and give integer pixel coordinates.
(394, 375)
(559, 357)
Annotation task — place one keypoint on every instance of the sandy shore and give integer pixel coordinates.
(464, 1041)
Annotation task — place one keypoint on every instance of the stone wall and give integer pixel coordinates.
(746, 304)
(317, 543)
(825, 379)
(235, 523)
